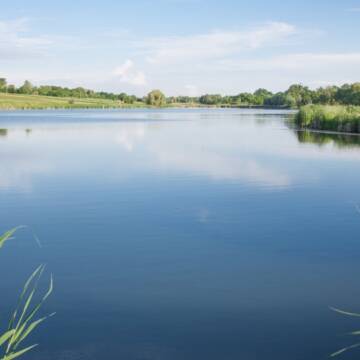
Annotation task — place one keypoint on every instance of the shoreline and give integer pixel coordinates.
(14, 102)
(148, 107)
(327, 132)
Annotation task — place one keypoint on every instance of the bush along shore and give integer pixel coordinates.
(338, 118)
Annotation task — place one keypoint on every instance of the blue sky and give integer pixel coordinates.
(180, 46)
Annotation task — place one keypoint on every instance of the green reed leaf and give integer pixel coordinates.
(16, 354)
(344, 312)
(6, 336)
(345, 349)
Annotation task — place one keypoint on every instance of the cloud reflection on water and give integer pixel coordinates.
(232, 146)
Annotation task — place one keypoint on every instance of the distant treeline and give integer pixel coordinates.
(294, 97)
(50, 90)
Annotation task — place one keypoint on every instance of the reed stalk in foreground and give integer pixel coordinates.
(24, 319)
(353, 333)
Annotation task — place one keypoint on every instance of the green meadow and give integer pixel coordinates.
(33, 102)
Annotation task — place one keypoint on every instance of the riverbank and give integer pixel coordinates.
(39, 102)
(338, 118)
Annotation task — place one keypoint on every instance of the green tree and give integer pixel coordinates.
(349, 94)
(261, 95)
(11, 89)
(326, 95)
(210, 99)
(156, 98)
(247, 98)
(301, 94)
(126, 99)
(3, 84)
(26, 88)
(291, 101)
(79, 92)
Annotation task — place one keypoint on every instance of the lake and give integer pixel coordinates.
(182, 234)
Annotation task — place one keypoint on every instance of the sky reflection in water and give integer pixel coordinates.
(183, 234)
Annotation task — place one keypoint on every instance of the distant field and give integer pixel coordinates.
(34, 102)
(17, 101)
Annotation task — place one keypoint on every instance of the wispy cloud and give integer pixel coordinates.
(354, 9)
(294, 62)
(128, 137)
(15, 42)
(128, 73)
(214, 44)
(192, 90)
(226, 60)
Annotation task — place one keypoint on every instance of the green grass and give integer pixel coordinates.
(38, 102)
(24, 319)
(329, 117)
(33, 102)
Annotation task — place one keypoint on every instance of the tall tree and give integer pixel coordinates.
(26, 88)
(156, 98)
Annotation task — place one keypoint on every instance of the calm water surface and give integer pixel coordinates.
(193, 234)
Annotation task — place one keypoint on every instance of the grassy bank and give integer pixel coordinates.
(38, 102)
(24, 102)
(330, 118)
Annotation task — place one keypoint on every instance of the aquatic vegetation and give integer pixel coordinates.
(329, 117)
(323, 138)
(353, 333)
(24, 319)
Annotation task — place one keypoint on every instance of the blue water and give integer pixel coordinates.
(182, 234)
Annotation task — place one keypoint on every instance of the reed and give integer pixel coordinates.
(353, 333)
(24, 319)
(329, 117)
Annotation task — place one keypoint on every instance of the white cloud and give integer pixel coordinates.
(14, 43)
(294, 62)
(192, 90)
(174, 149)
(227, 60)
(216, 44)
(128, 73)
(355, 9)
(20, 167)
(220, 167)
(130, 135)
(220, 146)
